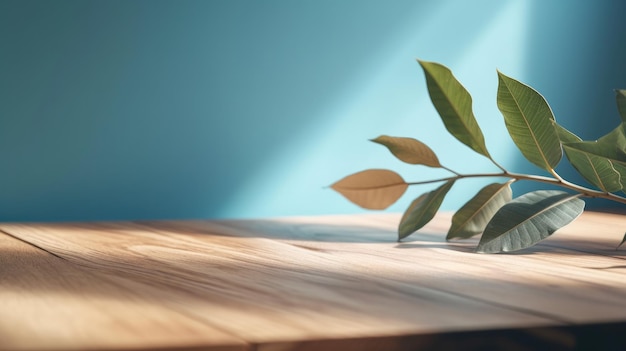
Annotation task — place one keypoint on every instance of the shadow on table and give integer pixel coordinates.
(375, 232)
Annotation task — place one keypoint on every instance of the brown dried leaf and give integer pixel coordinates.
(409, 150)
(374, 189)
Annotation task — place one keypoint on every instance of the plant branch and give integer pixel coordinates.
(516, 176)
(556, 175)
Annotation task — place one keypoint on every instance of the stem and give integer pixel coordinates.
(557, 176)
(559, 182)
(498, 165)
(451, 171)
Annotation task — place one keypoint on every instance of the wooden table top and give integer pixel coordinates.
(307, 283)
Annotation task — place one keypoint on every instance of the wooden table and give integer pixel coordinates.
(328, 283)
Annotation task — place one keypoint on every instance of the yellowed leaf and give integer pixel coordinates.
(409, 150)
(374, 189)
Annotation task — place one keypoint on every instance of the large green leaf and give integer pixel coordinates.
(422, 210)
(528, 118)
(565, 135)
(472, 218)
(611, 147)
(409, 150)
(454, 105)
(620, 96)
(529, 219)
(615, 142)
(373, 189)
(597, 170)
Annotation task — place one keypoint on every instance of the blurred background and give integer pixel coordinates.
(245, 109)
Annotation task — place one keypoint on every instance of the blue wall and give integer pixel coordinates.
(187, 109)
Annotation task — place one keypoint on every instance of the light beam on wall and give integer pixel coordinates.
(390, 97)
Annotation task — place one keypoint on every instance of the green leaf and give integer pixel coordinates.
(374, 189)
(620, 96)
(472, 218)
(422, 210)
(611, 147)
(528, 118)
(615, 142)
(529, 219)
(597, 170)
(565, 135)
(454, 105)
(409, 150)
(622, 242)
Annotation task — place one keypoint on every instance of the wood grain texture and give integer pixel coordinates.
(329, 282)
(47, 302)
